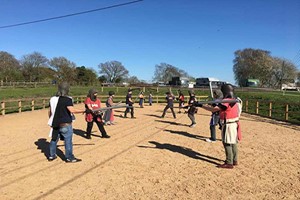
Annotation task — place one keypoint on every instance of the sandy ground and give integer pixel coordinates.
(148, 158)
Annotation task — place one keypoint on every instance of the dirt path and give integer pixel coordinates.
(148, 158)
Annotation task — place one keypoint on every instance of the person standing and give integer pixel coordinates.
(130, 103)
(231, 132)
(150, 99)
(215, 117)
(60, 119)
(109, 114)
(92, 103)
(170, 103)
(141, 102)
(192, 109)
(181, 101)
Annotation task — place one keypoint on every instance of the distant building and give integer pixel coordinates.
(252, 83)
(204, 82)
(180, 81)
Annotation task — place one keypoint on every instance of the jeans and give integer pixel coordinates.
(67, 132)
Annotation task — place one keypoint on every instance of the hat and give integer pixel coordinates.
(110, 93)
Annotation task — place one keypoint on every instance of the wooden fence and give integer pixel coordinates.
(22, 105)
(276, 110)
(289, 112)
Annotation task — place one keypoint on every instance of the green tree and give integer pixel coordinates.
(114, 71)
(9, 67)
(31, 66)
(252, 64)
(65, 69)
(86, 76)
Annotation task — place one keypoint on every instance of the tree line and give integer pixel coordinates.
(35, 67)
(247, 64)
(259, 64)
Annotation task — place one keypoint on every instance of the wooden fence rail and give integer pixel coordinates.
(275, 110)
(21, 105)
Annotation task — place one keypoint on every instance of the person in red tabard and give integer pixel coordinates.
(231, 129)
(93, 103)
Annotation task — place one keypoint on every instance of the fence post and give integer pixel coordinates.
(20, 106)
(44, 103)
(257, 107)
(157, 99)
(3, 107)
(102, 89)
(157, 89)
(117, 89)
(32, 105)
(270, 109)
(247, 104)
(287, 112)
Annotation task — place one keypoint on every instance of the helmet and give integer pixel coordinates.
(110, 93)
(218, 94)
(63, 89)
(227, 90)
(191, 93)
(92, 93)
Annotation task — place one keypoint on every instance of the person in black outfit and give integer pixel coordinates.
(192, 109)
(130, 103)
(60, 119)
(170, 101)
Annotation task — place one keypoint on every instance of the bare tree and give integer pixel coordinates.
(9, 67)
(164, 72)
(65, 69)
(114, 71)
(283, 71)
(31, 66)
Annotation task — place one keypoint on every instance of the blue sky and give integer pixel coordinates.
(198, 36)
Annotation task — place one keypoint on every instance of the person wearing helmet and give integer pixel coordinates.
(215, 117)
(60, 119)
(141, 97)
(170, 102)
(93, 103)
(181, 100)
(109, 114)
(229, 118)
(192, 108)
(130, 103)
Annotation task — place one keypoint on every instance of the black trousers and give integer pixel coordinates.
(165, 110)
(99, 124)
(127, 111)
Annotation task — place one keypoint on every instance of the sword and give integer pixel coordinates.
(199, 103)
(219, 101)
(101, 110)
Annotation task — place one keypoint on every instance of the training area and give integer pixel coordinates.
(148, 158)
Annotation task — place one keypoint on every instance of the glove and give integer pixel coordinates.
(88, 111)
(197, 104)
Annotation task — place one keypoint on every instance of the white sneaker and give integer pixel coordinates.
(209, 140)
(193, 125)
